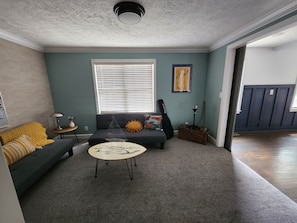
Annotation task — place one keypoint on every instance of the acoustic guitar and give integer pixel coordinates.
(166, 123)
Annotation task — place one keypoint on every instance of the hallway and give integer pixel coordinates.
(273, 155)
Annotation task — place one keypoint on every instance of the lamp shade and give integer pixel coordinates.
(129, 12)
(57, 114)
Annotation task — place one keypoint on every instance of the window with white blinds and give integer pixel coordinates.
(124, 85)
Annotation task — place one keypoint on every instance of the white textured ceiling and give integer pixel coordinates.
(185, 24)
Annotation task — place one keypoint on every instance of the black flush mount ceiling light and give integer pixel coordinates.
(129, 12)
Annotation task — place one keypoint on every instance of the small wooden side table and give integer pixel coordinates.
(65, 129)
(194, 135)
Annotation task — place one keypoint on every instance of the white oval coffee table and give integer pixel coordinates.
(110, 151)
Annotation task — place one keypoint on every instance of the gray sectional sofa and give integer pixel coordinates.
(27, 168)
(143, 137)
(26, 171)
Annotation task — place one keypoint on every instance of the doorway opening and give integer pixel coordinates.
(271, 153)
(228, 74)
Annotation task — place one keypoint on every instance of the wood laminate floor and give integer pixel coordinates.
(273, 155)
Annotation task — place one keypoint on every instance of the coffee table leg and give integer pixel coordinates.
(96, 167)
(130, 170)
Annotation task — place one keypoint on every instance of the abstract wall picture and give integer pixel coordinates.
(182, 75)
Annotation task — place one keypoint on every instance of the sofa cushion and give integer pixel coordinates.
(28, 170)
(17, 149)
(152, 121)
(35, 131)
(103, 135)
(133, 126)
(146, 136)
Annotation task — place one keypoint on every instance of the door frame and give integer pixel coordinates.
(235, 89)
(229, 68)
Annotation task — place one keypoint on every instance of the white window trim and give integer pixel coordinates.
(124, 61)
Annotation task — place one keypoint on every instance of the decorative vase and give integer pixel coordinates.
(71, 124)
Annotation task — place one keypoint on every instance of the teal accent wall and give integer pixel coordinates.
(71, 81)
(213, 88)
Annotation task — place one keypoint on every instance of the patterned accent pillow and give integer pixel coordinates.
(133, 126)
(17, 149)
(152, 121)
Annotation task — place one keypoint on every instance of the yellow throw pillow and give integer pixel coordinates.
(17, 149)
(133, 126)
(35, 131)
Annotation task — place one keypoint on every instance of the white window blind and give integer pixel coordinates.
(124, 85)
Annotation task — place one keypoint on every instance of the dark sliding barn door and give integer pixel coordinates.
(237, 75)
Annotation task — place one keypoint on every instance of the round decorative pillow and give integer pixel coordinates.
(133, 126)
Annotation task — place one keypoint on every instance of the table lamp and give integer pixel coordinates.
(58, 115)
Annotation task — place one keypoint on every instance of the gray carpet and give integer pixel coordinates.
(185, 182)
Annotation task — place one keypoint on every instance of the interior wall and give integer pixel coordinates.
(24, 85)
(270, 66)
(71, 80)
(288, 57)
(213, 88)
(26, 94)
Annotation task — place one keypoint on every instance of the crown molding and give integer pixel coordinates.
(19, 40)
(262, 21)
(122, 50)
(278, 27)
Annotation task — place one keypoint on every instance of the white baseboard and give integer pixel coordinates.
(212, 140)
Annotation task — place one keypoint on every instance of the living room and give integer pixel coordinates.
(37, 83)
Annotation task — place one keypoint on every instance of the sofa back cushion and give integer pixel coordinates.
(103, 120)
(35, 131)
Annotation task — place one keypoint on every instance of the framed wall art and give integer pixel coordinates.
(181, 77)
(3, 115)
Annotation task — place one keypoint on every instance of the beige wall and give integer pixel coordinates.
(26, 94)
(24, 86)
